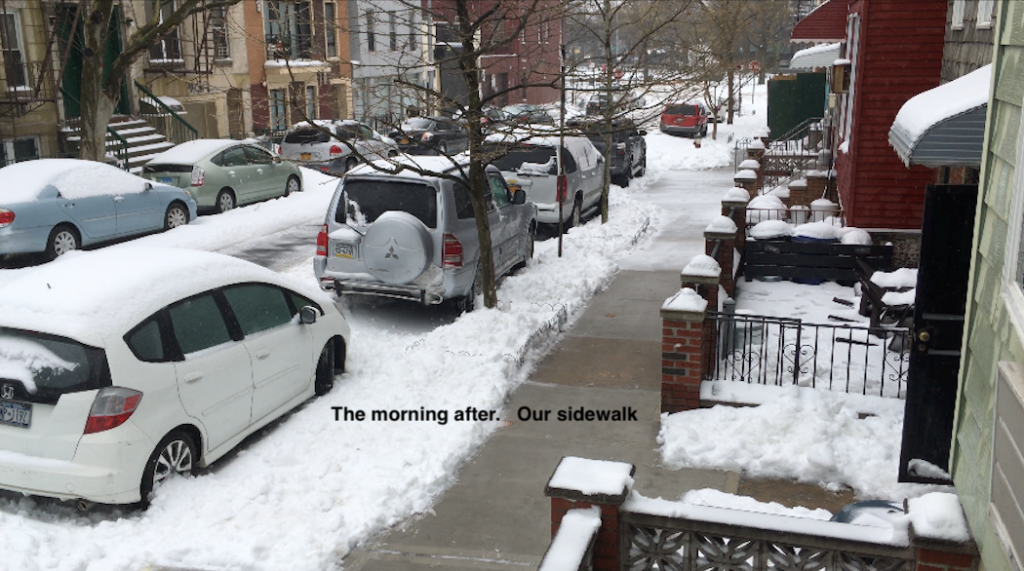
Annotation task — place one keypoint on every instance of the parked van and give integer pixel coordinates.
(530, 163)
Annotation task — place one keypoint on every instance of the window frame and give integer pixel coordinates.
(170, 38)
(986, 14)
(331, 29)
(221, 36)
(22, 64)
(957, 16)
(392, 30)
(311, 102)
(412, 44)
(371, 34)
(1011, 290)
(234, 331)
(292, 310)
(277, 108)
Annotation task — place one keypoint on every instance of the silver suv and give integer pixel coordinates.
(308, 146)
(414, 237)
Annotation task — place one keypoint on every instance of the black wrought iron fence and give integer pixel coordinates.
(781, 351)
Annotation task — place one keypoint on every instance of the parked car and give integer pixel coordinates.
(58, 205)
(624, 101)
(335, 147)
(685, 119)
(629, 148)
(414, 237)
(530, 163)
(115, 379)
(527, 114)
(222, 174)
(430, 136)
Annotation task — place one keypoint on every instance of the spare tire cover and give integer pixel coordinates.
(396, 248)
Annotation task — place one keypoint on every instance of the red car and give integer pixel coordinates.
(685, 119)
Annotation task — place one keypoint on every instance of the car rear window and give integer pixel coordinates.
(151, 168)
(363, 201)
(42, 367)
(417, 125)
(681, 110)
(516, 157)
(307, 135)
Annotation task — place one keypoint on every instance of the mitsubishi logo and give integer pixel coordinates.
(7, 392)
(391, 253)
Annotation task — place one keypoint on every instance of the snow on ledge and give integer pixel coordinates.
(592, 477)
(703, 265)
(572, 540)
(745, 174)
(733, 392)
(750, 164)
(902, 277)
(736, 194)
(771, 229)
(938, 515)
(685, 300)
(892, 536)
(721, 225)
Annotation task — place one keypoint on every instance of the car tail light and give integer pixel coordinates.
(6, 217)
(111, 408)
(452, 251)
(198, 176)
(427, 137)
(620, 148)
(563, 188)
(321, 241)
(335, 150)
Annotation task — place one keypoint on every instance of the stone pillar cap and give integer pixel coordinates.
(721, 225)
(745, 174)
(750, 164)
(685, 305)
(594, 481)
(736, 194)
(756, 144)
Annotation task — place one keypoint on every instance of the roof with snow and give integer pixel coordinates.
(944, 126)
(826, 23)
(818, 56)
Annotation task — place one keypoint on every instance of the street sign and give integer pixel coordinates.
(754, 66)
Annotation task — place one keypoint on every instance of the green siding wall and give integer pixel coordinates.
(992, 337)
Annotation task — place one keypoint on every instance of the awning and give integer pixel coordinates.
(818, 56)
(826, 23)
(944, 126)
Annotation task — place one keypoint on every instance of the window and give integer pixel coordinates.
(258, 307)
(219, 27)
(257, 156)
(371, 35)
(233, 158)
(17, 150)
(198, 324)
(278, 121)
(146, 342)
(393, 30)
(288, 29)
(311, 102)
(958, 14)
(365, 200)
(499, 191)
(985, 8)
(55, 365)
(13, 51)
(330, 28)
(412, 45)
(298, 302)
(167, 48)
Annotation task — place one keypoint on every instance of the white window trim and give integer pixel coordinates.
(21, 50)
(986, 11)
(1012, 292)
(958, 14)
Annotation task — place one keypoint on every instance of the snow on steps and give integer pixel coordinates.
(144, 142)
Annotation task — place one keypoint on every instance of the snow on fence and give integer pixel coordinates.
(780, 351)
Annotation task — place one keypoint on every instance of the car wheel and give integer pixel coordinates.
(350, 163)
(577, 216)
(468, 303)
(176, 454)
(643, 167)
(225, 200)
(324, 381)
(293, 185)
(442, 148)
(176, 216)
(62, 240)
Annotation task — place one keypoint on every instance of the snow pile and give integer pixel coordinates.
(902, 277)
(702, 265)
(771, 229)
(938, 515)
(765, 207)
(592, 477)
(719, 499)
(822, 203)
(685, 300)
(757, 145)
(808, 435)
(745, 174)
(946, 101)
(736, 194)
(780, 192)
(900, 298)
(927, 469)
(721, 225)
(817, 231)
(855, 236)
(572, 540)
(750, 164)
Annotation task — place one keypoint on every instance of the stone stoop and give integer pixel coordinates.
(144, 141)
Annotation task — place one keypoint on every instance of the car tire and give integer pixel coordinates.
(323, 381)
(63, 239)
(225, 201)
(176, 454)
(176, 215)
(350, 163)
(643, 167)
(467, 303)
(576, 216)
(293, 185)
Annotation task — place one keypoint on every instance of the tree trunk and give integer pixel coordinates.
(731, 101)
(98, 101)
(609, 109)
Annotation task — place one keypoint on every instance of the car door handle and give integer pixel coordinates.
(193, 377)
(262, 353)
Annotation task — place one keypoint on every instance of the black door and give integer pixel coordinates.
(946, 235)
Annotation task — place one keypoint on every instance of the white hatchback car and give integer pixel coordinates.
(121, 367)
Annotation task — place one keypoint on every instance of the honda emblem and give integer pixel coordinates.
(7, 392)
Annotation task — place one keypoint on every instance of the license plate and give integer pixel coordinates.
(307, 156)
(167, 180)
(403, 141)
(342, 250)
(15, 414)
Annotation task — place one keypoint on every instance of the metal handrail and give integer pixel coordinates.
(121, 151)
(176, 136)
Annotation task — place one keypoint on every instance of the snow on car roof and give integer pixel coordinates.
(73, 178)
(96, 296)
(427, 163)
(527, 138)
(324, 123)
(192, 152)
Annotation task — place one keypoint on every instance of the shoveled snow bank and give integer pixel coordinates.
(719, 499)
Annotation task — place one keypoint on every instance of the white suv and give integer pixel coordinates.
(112, 380)
(327, 146)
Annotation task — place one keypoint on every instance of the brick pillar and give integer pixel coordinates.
(751, 164)
(747, 180)
(734, 205)
(682, 334)
(816, 182)
(798, 194)
(756, 150)
(566, 496)
(724, 258)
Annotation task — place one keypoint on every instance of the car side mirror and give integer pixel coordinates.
(519, 197)
(307, 315)
(643, 132)
(600, 158)
(149, 186)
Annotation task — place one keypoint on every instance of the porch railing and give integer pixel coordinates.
(167, 122)
(116, 146)
(782, 351)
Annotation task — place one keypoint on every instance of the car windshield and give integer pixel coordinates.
(532, 157)
(681, 109)
(417, 125)
(47, 366)
(363, 201)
